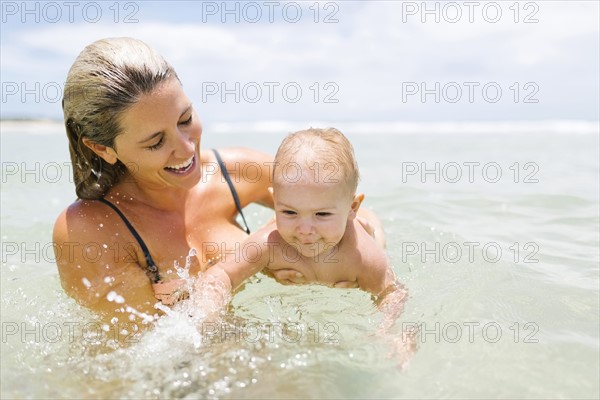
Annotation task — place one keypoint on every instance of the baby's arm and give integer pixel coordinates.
(377, 277)
(369, 221)
(391, 302)
(252, 257)
(213, 288)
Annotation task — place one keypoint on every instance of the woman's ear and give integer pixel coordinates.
(356, 202)
(106, 153)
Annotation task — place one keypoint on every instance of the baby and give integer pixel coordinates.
(318, 230)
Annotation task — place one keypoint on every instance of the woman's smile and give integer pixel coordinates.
(182, 168)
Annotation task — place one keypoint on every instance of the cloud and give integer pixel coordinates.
(370, 53)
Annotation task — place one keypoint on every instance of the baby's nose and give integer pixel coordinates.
(305, 227)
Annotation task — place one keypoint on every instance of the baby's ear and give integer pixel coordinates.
(356, 202)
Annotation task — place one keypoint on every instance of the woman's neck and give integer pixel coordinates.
(166, 198)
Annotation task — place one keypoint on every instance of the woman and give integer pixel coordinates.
(146, 193)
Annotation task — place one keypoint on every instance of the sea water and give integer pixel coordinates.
(493, 230)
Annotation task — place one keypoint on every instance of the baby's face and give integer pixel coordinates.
(312, 216)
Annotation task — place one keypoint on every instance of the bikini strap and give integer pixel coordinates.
(231, 188)
(151, 268)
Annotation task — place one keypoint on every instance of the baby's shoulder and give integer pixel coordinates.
(363, 250)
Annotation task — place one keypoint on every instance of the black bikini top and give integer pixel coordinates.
(151, 268)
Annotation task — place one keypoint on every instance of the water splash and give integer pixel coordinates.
(208, 298)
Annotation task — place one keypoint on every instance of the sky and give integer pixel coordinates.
(355, 61)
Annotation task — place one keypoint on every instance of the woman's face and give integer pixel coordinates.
(160, 139)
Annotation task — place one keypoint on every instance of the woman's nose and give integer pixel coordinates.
(185, 143)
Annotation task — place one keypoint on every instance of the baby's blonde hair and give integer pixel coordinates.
(327, 153)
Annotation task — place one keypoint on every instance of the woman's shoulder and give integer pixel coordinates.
(250, 170)
(238, 160)
(242, 155)
(84, 219)
(78, 214)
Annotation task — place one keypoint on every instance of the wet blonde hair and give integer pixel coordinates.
(326, 154)
(108, 77)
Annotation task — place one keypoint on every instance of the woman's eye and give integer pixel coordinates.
(187, 121)
(157, 145)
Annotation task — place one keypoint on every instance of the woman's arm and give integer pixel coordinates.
(369, 220)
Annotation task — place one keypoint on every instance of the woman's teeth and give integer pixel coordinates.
(183, 167)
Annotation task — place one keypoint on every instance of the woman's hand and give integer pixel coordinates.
(288, 276)
(367, 225)
(346, 284)
(372, 225)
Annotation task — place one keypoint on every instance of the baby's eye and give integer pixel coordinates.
(288, 212)
(324, 214)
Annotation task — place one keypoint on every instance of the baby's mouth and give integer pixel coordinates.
(183, 167)
(305, 242)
